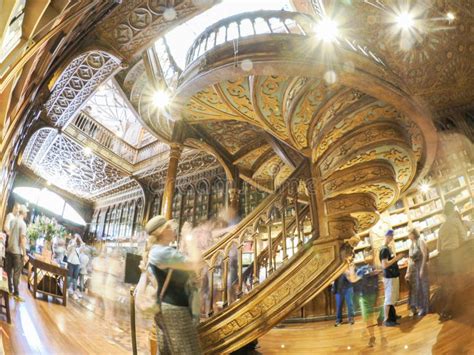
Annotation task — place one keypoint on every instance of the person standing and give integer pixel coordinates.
(84, 263)
(16, 251)
(10, 217)
(73, 264)
(344, 291)
(391, 281)
(450, 236)
(417, 275)
(177, 334)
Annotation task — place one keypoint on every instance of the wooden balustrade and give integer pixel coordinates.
(262, 243)
(258, 23)
(250, 24)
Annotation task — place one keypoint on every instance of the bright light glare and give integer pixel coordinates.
(405, 20)
(450, 16)
(87, 151)
(327, 30)
(424, 188)
(161, 98)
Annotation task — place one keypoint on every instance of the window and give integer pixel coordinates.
(13, 33)
(51, 202)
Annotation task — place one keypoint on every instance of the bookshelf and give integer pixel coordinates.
(423, 210)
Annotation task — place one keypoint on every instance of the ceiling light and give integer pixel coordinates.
(72, 166)
(161, 98)
(450, 16)
(424, 188)
(87, 151)
(48, 183)
(327, 30)
(405, 20)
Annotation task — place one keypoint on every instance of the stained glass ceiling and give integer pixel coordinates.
(110, 108)
(182, 37)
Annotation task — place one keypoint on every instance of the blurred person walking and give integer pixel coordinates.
(450, 236)
(417, 275)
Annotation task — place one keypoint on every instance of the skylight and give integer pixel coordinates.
(109, 107)
(182, 37)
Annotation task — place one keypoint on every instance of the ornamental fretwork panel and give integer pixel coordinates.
(75, 85)
(69, 167)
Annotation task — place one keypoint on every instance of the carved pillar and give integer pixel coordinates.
(234, 198)
(168, 193)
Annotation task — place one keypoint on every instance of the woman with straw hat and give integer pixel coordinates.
(175, 329)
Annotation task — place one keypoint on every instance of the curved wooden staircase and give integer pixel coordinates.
(363, 139)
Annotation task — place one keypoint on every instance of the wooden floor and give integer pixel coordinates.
(414, 336)
(41, 327)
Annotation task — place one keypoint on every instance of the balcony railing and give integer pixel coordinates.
(264, 23)
(110, 141)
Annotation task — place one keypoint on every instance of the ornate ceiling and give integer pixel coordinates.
(434, 58)
(65, 164)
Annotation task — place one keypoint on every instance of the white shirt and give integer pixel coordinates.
(8, 220)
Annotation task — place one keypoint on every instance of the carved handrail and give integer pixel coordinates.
(263, 22)
(170, 71)
(151, 150)
(110, 141)
(274, 231)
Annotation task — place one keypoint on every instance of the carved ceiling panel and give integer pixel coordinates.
(248, 160)
(135, 25)
(76, 84)
(232, 135)
(66, 165)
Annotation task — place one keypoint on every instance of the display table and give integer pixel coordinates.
(5, 295)
(48, 279)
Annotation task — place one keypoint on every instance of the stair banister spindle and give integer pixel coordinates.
(239, 270)
(297, 216)
(283, 226)
(211, 291)
(270, 244)
(225, 276)
(255, 260)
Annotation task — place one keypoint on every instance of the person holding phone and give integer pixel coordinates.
(391, 279)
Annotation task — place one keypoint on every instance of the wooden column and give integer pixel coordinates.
(168, 194)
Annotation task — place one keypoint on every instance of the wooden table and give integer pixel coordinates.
(5, 295)
(47, 279)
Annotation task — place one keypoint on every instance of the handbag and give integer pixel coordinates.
(146, 291)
